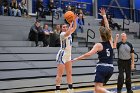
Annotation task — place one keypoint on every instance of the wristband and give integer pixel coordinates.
(104, 15)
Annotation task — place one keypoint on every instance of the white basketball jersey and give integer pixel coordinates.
(64, 53)
(66, 42)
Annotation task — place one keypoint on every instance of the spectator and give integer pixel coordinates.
(80, 22)
(57, 32)
(1, 7)
(15, 8)
(125, 62)
(80, 12)
(51, 5)
(47, 32)
(23, 8)
(36, 34)
(52, 37)
(78, 6)
(52, 8)
(112, 24)
(69, 8)
(9, 8)
(57, 29)
(5, 7)
(39, 8)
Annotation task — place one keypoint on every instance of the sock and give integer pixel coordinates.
(70, 86)
(57, 87)
(107, 91)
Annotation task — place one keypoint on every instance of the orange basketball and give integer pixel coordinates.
(69, 16)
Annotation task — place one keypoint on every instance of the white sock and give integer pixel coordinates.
(107, 91)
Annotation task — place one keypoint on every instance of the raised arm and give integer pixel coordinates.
(116, 41)
(103, 14)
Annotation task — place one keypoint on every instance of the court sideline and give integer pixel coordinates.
(135, 87)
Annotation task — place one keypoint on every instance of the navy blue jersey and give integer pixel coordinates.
(106, 55)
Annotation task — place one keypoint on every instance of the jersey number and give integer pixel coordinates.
(108, 52)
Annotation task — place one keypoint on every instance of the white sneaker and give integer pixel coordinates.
(113, 92)
(57, 91)
(70, 90)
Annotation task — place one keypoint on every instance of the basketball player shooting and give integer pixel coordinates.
(64, 54)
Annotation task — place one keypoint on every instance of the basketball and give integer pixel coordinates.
(69, 16)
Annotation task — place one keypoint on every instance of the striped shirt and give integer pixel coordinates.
(124, 50)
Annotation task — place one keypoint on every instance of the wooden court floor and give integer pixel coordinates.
(135, 87)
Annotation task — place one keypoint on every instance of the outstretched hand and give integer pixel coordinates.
(73, 60)
(102, 11)
(74, 18)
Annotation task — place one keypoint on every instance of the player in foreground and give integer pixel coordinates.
(104, 49)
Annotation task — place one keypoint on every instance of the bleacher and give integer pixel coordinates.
(26, 68)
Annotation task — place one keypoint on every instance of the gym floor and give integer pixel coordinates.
(135, 88)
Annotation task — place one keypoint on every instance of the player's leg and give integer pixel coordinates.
(109, 74)
(68, 67)
(99, 88)
(103, 74)
(60, 71)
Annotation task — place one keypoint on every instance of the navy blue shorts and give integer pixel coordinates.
(103, 74)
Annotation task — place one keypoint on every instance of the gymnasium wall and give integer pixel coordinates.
(137, 4)
(115, 12)
(137, 11)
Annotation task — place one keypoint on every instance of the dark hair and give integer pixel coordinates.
(61, 26)
(105, 33)
(44, 25)
(37, 21)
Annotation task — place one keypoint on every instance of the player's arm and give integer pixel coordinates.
(116, 41)
(94, 50)
(72, 27)
(103, 14)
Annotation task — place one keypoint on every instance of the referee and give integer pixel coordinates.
(125, 62)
